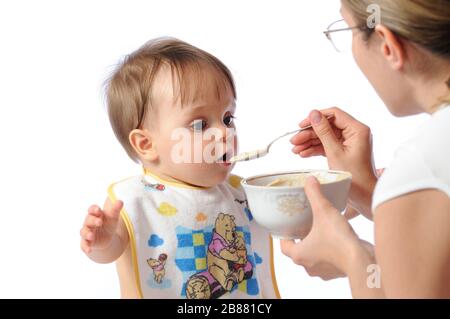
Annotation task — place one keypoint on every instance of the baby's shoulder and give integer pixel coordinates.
(140, 196)
(126, 183)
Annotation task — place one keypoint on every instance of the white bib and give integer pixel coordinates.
(195, 243)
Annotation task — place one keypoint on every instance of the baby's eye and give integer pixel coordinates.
(198, 125)
(228, 120)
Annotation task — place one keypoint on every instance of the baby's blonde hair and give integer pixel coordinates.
(129, 89)
(423, 22)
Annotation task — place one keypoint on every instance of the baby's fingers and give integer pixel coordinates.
(85, 246)
(95, 211)
(88, 234)
(112, 214)
(114, 211)
(87, 239)
(92, 221)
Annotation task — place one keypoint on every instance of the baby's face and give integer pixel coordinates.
(194, 140)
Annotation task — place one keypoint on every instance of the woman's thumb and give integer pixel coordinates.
(325, 133)
(316, 199)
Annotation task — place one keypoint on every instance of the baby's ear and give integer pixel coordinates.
(142, 144)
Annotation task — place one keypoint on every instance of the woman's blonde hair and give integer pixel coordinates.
(423, 22)
(129, 89)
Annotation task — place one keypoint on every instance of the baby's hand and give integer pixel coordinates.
(99, 227)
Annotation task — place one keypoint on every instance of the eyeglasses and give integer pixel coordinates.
(341, 41)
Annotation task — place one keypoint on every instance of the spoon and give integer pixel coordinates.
(248, 156)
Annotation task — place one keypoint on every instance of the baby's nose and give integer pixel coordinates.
(227, 134)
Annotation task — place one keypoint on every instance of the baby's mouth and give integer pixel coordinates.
(225, 158)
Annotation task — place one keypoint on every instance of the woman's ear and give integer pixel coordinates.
(143, 145)
(392, 47)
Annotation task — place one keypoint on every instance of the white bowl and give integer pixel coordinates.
(285, 210)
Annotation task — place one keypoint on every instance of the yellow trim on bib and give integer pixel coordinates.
(131, 235)
(235, 181)
(272, 268)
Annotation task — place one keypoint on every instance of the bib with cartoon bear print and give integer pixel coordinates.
(195, 243)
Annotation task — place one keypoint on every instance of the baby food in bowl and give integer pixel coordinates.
(299, 180)
(278, 202)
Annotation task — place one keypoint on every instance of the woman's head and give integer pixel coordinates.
(407, 56)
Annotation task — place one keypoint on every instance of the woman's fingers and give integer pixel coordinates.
(327, 113)
(309, 134)
(350, 213)
(296, 252)
(291, 250)
(309, 137)
(303, 137)
(287, 246)
(323, 140)
(313, 151)
(325, 133)
(340, 118)
(300, 148)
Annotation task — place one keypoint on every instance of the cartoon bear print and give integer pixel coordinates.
(223, 255)
(198, 287)
(227, 262)
(157, 266)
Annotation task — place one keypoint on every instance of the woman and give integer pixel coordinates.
(406, 58)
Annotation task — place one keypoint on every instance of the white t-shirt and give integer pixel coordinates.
(423, 162)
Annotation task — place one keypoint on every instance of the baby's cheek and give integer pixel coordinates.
(210, 150)
(178, 151)
(166, 149)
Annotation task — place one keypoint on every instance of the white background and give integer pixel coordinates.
(58, 153)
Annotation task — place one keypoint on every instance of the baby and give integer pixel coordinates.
(181, 229)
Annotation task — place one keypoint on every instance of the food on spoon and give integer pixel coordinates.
(247, 156)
